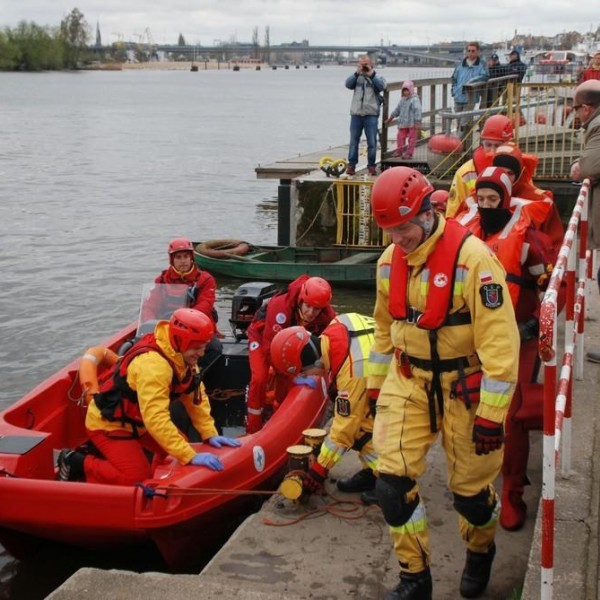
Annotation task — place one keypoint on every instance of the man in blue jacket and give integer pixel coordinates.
(364, 112)
(472, 69)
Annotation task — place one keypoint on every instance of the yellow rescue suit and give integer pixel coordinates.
(480, 343)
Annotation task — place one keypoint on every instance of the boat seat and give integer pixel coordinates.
(359, 258)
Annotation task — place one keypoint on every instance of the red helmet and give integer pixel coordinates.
(293, 349)
(439, 199)
(497, 128)
(180, 245)
(316, 292)
(188, 326)
(497, 179)
(397, 196)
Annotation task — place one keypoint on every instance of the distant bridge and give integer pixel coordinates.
(448, 55)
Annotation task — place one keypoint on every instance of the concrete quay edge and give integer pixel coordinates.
(329, 557)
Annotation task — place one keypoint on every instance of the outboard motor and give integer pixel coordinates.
(248, 298)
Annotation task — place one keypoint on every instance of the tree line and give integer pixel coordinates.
(31, 47)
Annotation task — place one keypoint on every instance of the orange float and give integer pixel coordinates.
(95, 358)
(444, 144)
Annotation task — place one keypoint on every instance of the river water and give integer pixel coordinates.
(99, 170)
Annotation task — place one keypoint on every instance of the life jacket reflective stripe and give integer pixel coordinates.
(351, 336)
(441, 266)
(117, 401)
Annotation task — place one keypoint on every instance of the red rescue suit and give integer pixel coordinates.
(528, 257)
(280, 312)
(200, 293)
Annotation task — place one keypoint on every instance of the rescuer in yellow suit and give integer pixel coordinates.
(445, 359)
(339, 354)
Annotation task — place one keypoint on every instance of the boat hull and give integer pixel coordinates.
(181, 509)
(339, 266)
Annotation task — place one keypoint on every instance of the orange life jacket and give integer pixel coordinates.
(507, 245)
(441, 264)
(116, 401)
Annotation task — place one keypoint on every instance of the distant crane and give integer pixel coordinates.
(146, 45)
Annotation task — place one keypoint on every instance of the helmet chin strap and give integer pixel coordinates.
(426, 226)
(182, 273)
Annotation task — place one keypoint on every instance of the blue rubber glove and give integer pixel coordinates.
(311, 382)
(217, 441)
(206, 459)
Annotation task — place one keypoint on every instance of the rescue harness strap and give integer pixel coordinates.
(525, 283)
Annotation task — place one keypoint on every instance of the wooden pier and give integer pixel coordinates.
(549, 132)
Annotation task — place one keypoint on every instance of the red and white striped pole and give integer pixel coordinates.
(554, 419)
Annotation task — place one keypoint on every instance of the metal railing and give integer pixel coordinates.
(545, 123)
(557, 406)
(355, 223)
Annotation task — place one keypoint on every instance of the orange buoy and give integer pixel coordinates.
(522, 120)
(540, 118)
(93, 359)
(444, 144)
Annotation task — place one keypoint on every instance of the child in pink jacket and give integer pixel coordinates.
(408, 119)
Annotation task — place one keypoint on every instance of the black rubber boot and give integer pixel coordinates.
(369, 498)
(70, 465)
(363, 481)
(476, 573)
(413, 586)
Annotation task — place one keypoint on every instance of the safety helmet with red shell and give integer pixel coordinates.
(399, 194)
(497, 128)
(315, 292)
(179, 245)
(293, 349)
(439, 199)
(188, 327)
(497, 179)
(509, 157)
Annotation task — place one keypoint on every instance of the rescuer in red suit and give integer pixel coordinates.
(306, 302)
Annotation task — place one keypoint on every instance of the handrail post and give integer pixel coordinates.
(383, 139)
(557, 409)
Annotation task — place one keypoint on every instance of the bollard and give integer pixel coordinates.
(298, 461)
(314, 438)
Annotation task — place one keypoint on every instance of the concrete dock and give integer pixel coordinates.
(323, 551)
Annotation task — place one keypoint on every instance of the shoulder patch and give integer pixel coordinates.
(342, 404)
(491, 295)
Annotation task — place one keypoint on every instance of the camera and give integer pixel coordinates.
(366, 68)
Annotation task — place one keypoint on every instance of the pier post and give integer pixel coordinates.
(284, 212)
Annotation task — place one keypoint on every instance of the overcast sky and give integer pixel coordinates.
(337, 22)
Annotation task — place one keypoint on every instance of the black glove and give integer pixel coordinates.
(314, 479)
(487, 435)
(528, 330)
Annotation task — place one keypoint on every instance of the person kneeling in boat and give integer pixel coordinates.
(306, 302)
(130, 414)
(340, 354)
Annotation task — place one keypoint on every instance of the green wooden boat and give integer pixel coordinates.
(240, 260)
